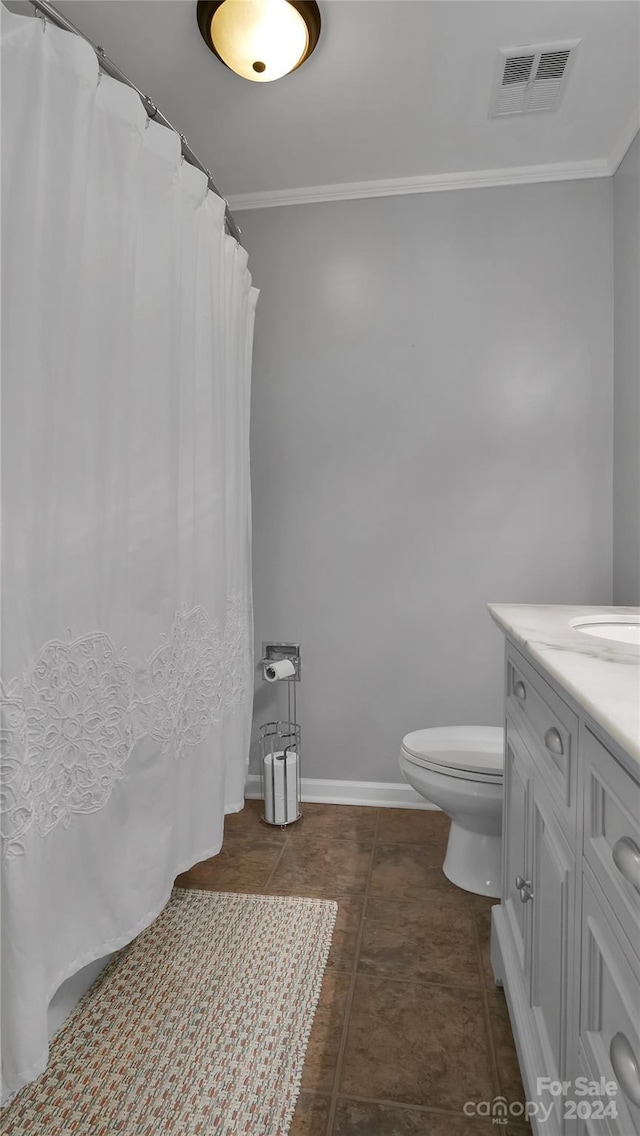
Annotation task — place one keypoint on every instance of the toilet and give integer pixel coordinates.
(460, 769)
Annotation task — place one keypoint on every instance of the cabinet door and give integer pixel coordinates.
(610, 1005)
(552, 934)
(517, 801)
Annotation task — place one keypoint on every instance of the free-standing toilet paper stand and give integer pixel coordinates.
(280, 740)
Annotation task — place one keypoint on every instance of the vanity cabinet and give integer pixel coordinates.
(566, 935)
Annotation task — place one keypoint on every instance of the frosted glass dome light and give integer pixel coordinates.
(261, 40)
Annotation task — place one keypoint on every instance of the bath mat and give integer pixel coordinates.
(197, 1028)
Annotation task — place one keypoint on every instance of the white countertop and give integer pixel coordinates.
(602, 676)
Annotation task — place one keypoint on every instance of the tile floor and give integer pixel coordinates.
(409, 1025)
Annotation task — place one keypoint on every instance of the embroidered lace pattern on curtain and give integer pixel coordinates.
(69, 726)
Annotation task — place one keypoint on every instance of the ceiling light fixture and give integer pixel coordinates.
(261, 40)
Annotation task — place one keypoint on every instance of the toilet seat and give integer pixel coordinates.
(472, 753)
(449, 771)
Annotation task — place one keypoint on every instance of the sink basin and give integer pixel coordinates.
(625, 631)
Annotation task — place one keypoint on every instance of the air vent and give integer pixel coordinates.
(532, 78)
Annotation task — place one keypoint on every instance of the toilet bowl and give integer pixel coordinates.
(460, 769)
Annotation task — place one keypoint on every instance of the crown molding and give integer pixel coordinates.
(624, 142)
(430, 183)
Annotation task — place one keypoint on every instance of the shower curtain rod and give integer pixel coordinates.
(107, 65)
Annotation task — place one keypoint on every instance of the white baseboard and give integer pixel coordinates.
(380, 794)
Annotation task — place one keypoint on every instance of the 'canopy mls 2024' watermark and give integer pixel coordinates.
(581, 1098)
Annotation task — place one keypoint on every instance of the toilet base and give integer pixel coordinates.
(474, 861)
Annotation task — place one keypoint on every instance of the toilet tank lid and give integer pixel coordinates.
(474, 748)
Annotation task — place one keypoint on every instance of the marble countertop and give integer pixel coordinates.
(601, 675)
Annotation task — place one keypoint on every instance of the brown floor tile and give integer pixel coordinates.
(248, 818)
(311, 1115)
(345, 933)
(423, 1045)
(483, 923)
(263, 840)
(409, 871)
(419, 939)
(484, 902)
(336, 822)
(505, 1048)
(413, 826)
(366, 1118)
(324, 1043)
(266, 840)
(315, 892)
(339, 864)
(232, 870)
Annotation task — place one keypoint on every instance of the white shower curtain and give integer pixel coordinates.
(127, 625)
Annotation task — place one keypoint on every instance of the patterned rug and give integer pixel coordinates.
(198, 1027)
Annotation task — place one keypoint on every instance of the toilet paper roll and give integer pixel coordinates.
(283, 668)
(281, 787)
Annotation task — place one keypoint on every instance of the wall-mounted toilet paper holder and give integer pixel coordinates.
(275, 652)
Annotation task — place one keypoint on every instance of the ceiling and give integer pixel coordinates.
(395, 90)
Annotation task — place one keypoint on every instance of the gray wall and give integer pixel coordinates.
(431, 430)
(626, 399)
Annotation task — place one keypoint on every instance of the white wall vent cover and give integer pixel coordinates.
(531, 78)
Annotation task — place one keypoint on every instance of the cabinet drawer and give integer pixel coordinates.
(612, 832)
(551, 729)
(610, 1007)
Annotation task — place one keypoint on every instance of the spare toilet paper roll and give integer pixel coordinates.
(281, 787)
(283, 668)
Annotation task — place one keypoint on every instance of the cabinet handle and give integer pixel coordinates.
(553, 741)
(626, 857)
(524, 887)
(520, 690)
(625, 1067)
